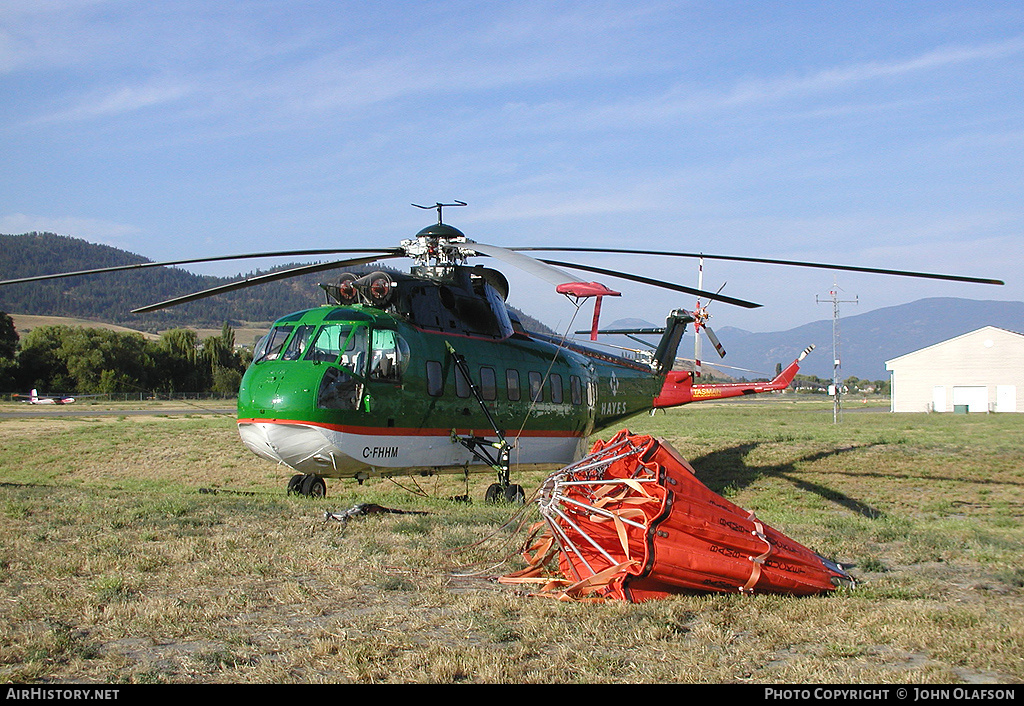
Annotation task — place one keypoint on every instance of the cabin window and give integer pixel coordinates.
(556, 388)
(389, 356)
(297, 346)
(488, 384)
(512, 385)
(269, 347)
(575, 390)
(341, 344)
(536, 387)
(462, 387)
(435, 379)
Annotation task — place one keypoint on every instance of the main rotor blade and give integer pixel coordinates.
(655, 282)
(769, 261)
(261, 279)
(528, 264)
(141, 265)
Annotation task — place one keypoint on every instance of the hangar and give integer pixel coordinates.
(980, 371)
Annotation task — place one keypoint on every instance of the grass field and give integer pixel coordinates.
(120, 564)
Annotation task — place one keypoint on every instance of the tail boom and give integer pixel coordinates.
(678, 388)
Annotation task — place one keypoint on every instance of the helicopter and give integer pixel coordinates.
(431, 372)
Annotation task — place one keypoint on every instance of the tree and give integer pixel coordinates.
(179, 364)
(8, 337)
(226, 382)
(226, 364)
(88, 360)
(39, 365)
(227, 335)
(83, 360)
(99, 360)
(8, 351)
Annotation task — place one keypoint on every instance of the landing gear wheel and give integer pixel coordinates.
(313, 486)
(497, 493)
(493, 494)
(295, 484)
(514, 494)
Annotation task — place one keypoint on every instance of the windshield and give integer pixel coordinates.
(297, 346)
(269, 347)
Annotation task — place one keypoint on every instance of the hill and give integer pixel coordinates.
(110, 297)
(23, 323)
(866, 340)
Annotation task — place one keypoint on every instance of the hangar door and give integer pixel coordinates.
(975, 398)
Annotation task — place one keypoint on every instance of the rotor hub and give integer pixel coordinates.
(438, 245)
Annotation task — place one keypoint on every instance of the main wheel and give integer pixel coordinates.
(493, 494)
(514, 494)
(295, 484)
(314, 486)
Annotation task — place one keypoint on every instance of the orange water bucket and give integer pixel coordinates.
(631, 522)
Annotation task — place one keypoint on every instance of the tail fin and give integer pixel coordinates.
(783, 379)
(675, 326)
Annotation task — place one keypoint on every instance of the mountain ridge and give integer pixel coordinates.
(866, 340)
(110, 297)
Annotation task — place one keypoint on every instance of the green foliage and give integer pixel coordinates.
(8, 350)
(90, 361)
(8, 337)
(99, 360)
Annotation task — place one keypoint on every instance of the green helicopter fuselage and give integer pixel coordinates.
(357, 391)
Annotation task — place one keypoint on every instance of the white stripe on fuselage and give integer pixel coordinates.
(334, 453)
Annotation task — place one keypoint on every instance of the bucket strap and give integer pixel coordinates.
(756, 561)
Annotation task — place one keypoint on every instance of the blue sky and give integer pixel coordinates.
(879, 134)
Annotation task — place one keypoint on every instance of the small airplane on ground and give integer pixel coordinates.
(430, 372)
(34, 398)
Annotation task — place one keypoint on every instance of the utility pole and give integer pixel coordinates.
(836, 363)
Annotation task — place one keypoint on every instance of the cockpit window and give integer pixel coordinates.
(269, 347)
(343, 344)
(297, 346)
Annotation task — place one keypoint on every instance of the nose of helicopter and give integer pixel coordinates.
(263, 392)
(275, 404)
(300, 446)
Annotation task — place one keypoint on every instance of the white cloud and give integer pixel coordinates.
(124, 99)
(684, 99)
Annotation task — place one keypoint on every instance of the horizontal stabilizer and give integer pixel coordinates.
(629, 331)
